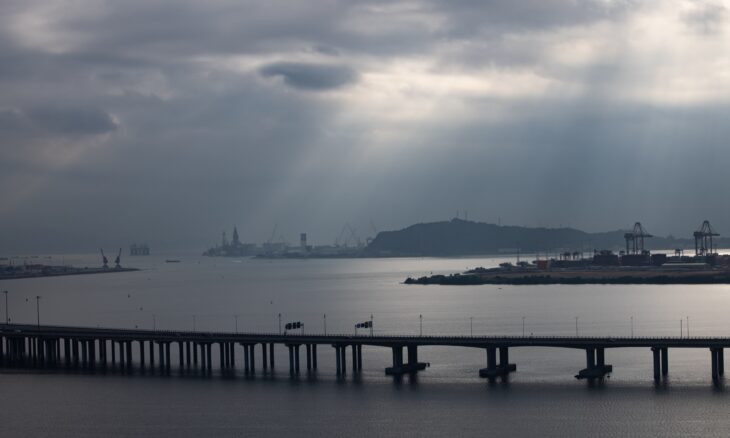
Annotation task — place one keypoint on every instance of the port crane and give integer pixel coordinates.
(104, 259)
(635, 239)
(118, 260)
(703, 239)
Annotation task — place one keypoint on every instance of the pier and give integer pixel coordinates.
(156, 351)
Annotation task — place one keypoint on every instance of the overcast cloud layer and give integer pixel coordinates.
(168, 122)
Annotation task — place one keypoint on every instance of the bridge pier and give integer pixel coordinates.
(718, 363)
(129, 355)
(411, 367)
(661, 362)
(222, 352)
(493, 369)
(246, 368)
(264, 362)
(271, 356)
(359, 357)
(596, 367)
(187, 356)
(308, 347)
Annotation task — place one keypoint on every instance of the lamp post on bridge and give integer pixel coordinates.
(576, 326)
(280, 323)
(632, 326)
(471, 326)
(681, 330)
(420, 321)
(688, 326)
(38, 309)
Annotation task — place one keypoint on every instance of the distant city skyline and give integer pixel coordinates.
(168, 122)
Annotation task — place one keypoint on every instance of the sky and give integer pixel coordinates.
(168, 122)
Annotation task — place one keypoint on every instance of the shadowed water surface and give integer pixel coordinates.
(541, 399)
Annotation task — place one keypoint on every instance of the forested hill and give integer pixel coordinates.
(460, 237)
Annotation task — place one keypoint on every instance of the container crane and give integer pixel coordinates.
(635, 239)
(703, 239)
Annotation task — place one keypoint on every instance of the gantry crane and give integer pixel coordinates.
(635, 239)
(703, 239)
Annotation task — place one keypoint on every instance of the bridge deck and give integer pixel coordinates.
(349, 339)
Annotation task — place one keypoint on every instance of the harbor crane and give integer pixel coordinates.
(118, 260)
(104, 259)
(703, 239)
(635, 239)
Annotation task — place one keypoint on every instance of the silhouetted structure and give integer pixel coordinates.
(93, 349)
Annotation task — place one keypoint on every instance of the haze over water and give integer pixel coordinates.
(541, 398)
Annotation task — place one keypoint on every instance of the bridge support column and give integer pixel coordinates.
(221, 350)
(141, 356)
(314, 356)
(232, 351)
(338, 360)
(208, 348)
(129, 355)
(359, 357)
(296, 359)
(720, 361)
(161, 355)
(665, 361)
(67, 351)
(271, 355)
(397, 369)
(195, 348)
(152, 356)
(354, 357)
(84, 357)
(245, 359)
(180, 355)
(167, 357)
(252, 355)
(657, 363)
(309, 357)
(596, 367)
(187, 355)
(291, 360)
(715, 355)
(264, 357)
(92, 354)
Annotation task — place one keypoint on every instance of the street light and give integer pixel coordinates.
(420, 320)
(688, 326)
(38, 309)
(280, 323)
(576, 326)
(471, 326)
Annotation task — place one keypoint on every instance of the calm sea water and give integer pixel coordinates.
(541, 399)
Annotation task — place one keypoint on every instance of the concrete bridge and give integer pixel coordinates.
(39, 346)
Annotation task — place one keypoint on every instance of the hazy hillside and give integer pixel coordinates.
(460, 237)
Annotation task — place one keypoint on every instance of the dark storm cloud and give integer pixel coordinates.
(72, 121)
(310, 76)
(158, 121)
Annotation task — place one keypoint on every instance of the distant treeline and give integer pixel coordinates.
(462, 238)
